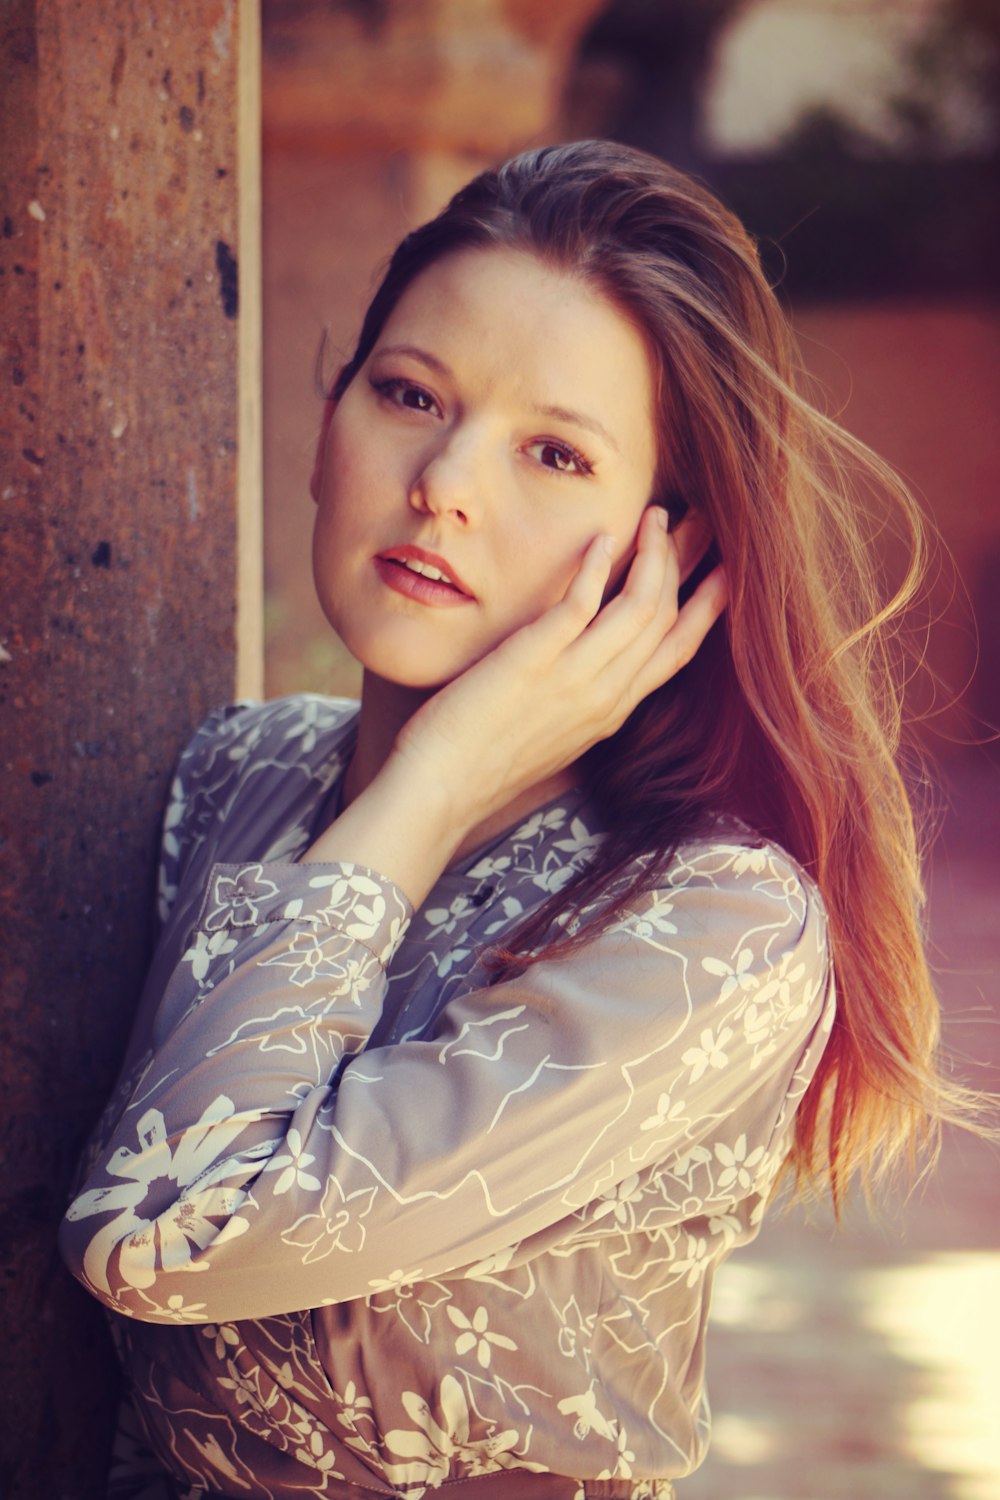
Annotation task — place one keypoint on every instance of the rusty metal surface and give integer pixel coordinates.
(119, 267)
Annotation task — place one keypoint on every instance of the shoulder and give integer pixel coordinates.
(711, 986)
(734, 895)
(735, 863)
(722, 876)
(733, 928)
(730, 952)
(248, 730)
(263, 746)
(233, 741)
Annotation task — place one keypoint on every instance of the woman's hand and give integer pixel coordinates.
(567, 680)
(526, 711)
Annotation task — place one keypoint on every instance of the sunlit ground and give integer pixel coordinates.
(839, 1380)
(943, 1316)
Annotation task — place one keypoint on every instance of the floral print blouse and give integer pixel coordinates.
(375, 1223)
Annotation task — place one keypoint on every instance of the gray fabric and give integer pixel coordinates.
(372, 1220)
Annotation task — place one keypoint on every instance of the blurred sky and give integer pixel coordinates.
(781, 58)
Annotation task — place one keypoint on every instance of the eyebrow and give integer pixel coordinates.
(577, 419)
(422, 355)
(557, 413)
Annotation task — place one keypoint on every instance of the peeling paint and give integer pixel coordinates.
(220, 33)
(194, 506)
(117, 70)
(229, 278)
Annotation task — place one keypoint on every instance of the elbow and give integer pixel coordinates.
(130, 1296)
(74, 1240)
(113, 1269)
(146, 1270)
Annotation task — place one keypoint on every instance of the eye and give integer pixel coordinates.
(559, 457)
(407, 395)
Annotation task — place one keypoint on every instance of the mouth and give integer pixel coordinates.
(422, 575)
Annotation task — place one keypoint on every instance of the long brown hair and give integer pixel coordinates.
(789, 716)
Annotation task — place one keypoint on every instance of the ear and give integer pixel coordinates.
(692, 537)
(316, 480)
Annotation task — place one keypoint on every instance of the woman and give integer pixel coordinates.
(484, 1019)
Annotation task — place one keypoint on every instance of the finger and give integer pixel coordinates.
(654, 576)
(681, 642)
(646, 605)
(561, 625)
(621, 683)
(614, 653)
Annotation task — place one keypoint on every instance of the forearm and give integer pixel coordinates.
(261, 1032)
(271, 1147)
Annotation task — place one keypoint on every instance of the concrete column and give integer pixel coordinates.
(129, 590)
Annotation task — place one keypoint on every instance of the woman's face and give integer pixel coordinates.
(502, 421)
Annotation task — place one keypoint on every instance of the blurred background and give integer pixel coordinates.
(860, 141)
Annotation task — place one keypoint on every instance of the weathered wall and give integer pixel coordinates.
(917, 381)
(124, 257)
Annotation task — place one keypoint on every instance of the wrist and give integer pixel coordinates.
(405, 824)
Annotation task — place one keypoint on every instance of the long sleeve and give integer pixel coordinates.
(271, 1158)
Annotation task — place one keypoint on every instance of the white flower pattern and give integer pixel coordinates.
(336, 1226)
(237, 898)
(171, 1237)
(436, 1449)
(710, 1052)
(476, 1334)
(412, 1226)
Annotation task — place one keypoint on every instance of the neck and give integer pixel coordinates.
(385, 709)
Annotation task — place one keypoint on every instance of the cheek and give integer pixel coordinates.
(341, 478)
(551, 558)
(541, 569)
(349, 498)
(357, 455)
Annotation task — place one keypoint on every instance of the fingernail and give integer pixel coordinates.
(608, 543)
(662, 517)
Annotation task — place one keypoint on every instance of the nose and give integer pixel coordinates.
(448, 481)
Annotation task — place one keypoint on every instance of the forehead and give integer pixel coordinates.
(505, 319)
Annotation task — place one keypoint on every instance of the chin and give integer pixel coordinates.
(416, 682)
(404, 664)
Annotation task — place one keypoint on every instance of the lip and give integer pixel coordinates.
(410, 553)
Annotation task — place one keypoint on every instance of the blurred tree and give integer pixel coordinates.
(913, 211)
(641, 71)
(951, 97)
